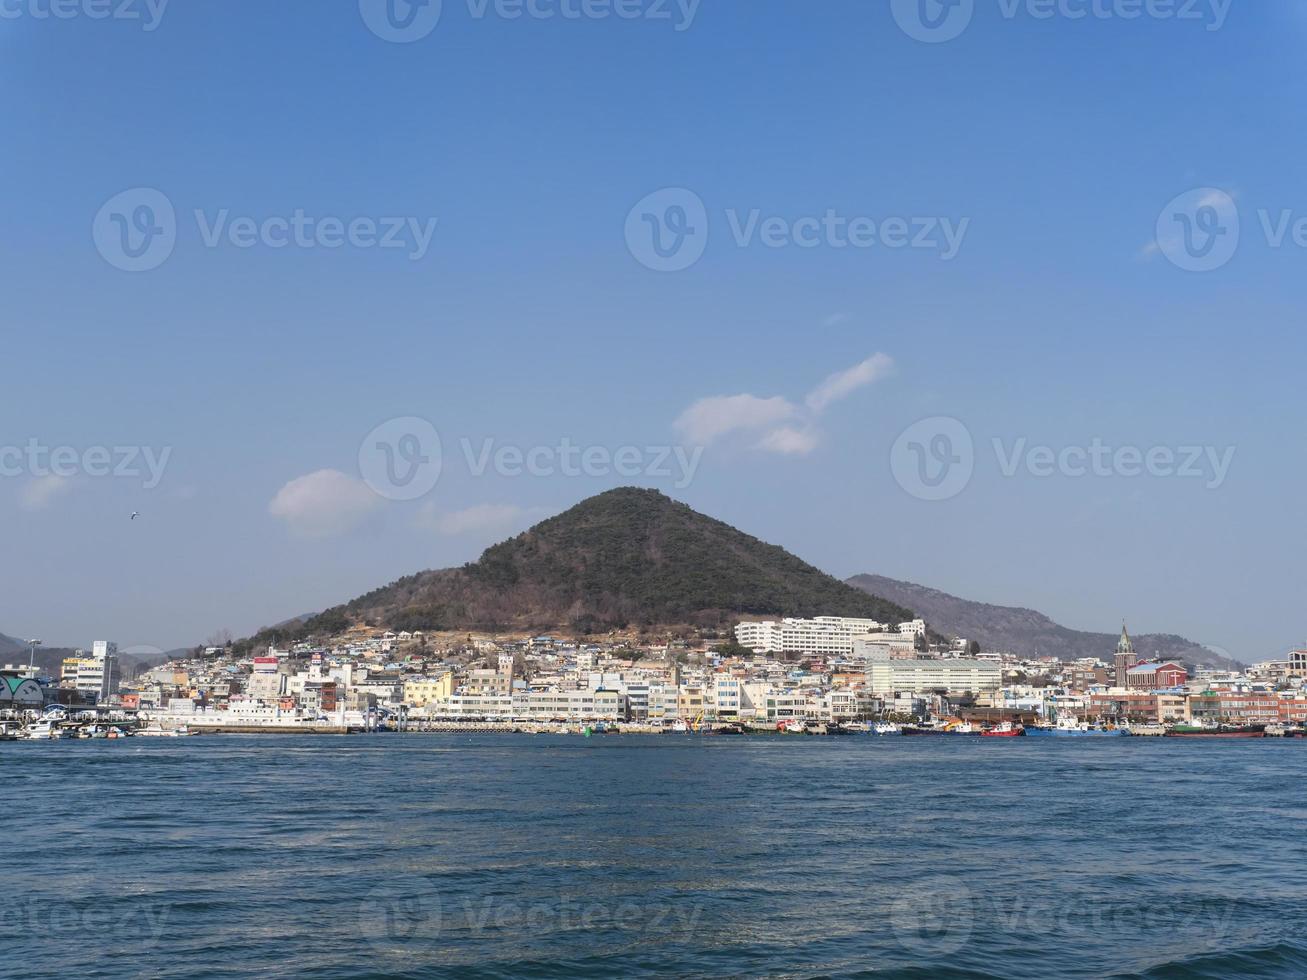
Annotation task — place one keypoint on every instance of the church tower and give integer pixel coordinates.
(1125, 657)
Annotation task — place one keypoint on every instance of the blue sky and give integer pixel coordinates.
(1055, 143)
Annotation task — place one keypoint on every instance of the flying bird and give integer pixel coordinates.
(135, 514)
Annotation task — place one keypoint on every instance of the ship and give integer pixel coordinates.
(1004, 730)
(1070, 727)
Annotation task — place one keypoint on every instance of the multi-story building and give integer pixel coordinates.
(421, 691)
(96, 677)
(795, 638)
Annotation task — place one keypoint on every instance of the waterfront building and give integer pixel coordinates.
(888, 676)
(420, 691)
(95, 678)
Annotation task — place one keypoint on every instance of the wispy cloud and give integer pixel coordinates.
(787, 428)
(478, 519)
(841, 384)
(40, 493)
(324, 503)
(789, 441)
(709, 419)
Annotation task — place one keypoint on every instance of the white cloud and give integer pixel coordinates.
(789, 441)
(841, 384)
(481, 518)
(38, 494)
(711, 418)
(787, 429)
(323, 503)
(41, 492)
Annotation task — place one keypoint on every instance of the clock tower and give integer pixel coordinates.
(1125, 657)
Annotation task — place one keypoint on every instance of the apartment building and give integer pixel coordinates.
(797, 638)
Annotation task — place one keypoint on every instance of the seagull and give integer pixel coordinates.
(135, 514)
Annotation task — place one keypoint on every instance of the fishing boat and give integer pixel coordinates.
(1070, 727)
(886, 728)
(792, 726)
(1004, 730)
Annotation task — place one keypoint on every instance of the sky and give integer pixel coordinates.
(994, 297)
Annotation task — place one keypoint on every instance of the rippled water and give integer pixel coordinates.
(489, 856)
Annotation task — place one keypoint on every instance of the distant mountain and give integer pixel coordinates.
(1024, 631)
(625, 558)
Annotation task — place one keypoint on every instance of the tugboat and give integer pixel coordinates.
(1004, 730)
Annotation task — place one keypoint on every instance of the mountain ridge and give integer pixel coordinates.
(1027, 632)
(628, 557)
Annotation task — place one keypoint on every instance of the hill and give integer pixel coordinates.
(625, 558)
(1024, 631)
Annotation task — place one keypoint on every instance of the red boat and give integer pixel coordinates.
(1005, 730)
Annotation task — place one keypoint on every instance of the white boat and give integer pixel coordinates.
(43, 730)
(887, 728)
(158, 732)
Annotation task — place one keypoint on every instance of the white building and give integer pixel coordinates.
(915, 628)
(823, 636)
(99, 676)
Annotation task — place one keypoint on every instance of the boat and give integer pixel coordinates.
(43, 730)
(886, 728)
(1217, 731)
(1004, 730)
(158, 732)
(730, 728)
(1070, 727)
(792, 726)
